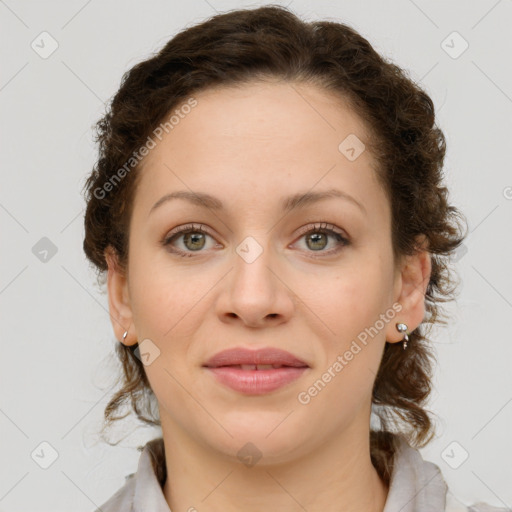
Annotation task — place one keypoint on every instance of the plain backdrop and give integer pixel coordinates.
(57, 342)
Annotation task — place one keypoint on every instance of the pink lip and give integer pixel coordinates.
(235, 356)
(223, 366)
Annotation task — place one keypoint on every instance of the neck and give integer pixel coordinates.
(336, 476)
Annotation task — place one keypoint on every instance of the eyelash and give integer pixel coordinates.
(320, 227)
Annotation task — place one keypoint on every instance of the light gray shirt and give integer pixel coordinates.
(416, 485)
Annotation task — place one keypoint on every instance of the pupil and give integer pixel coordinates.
(194, 238)
(316, 237)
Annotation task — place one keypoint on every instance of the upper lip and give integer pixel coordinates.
(240, 355)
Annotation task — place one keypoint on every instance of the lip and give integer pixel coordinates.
(225, 367)
(240, 355)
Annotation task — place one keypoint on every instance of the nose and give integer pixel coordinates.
(254, 292)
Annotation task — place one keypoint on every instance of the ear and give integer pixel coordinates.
(119, 299)
(411, 281)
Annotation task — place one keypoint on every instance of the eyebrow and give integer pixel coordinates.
(293, 202)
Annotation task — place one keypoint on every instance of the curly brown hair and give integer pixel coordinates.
(244, 45)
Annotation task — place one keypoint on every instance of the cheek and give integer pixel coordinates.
(352, 351)
(170, 306)
(161, 293)
(350, 299)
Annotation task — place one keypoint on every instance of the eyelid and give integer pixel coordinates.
(319, 225)
(184, 228)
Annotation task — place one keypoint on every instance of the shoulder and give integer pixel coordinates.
(454, 505)
(122, 500)
(419, 485)
(143, 489)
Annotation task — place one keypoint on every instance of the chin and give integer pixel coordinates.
(267, 440)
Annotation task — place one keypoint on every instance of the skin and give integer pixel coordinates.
(250, 147)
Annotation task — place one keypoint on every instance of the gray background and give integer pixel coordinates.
(56, 337)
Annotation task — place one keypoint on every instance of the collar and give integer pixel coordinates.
(415, 484)
(148, 490)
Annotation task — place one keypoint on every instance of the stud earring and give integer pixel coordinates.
(403, 328)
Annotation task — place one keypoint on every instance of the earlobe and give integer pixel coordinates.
(118, 299)
(412, 285)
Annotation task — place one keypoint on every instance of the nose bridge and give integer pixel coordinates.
(252, 263)
(255, 292)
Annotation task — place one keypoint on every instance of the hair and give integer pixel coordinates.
(235, 48)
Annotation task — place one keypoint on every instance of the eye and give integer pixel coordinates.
(194, 239)
(317, 238)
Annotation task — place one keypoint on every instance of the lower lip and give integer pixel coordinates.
(256, 382)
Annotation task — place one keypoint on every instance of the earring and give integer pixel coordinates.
(403, 328)
(124, 336)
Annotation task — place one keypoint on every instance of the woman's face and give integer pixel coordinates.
(259, 275)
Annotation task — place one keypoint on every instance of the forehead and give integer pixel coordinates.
(260, 138)
(281, 114)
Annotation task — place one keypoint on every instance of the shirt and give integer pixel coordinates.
(415, 485)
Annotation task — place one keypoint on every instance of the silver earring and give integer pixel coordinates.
(124, 335)
(403, 328)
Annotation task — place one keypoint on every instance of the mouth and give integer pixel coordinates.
(258, 367)
(255, 372)
(264, 359)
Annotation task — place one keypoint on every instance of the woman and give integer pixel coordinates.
(268, 207)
